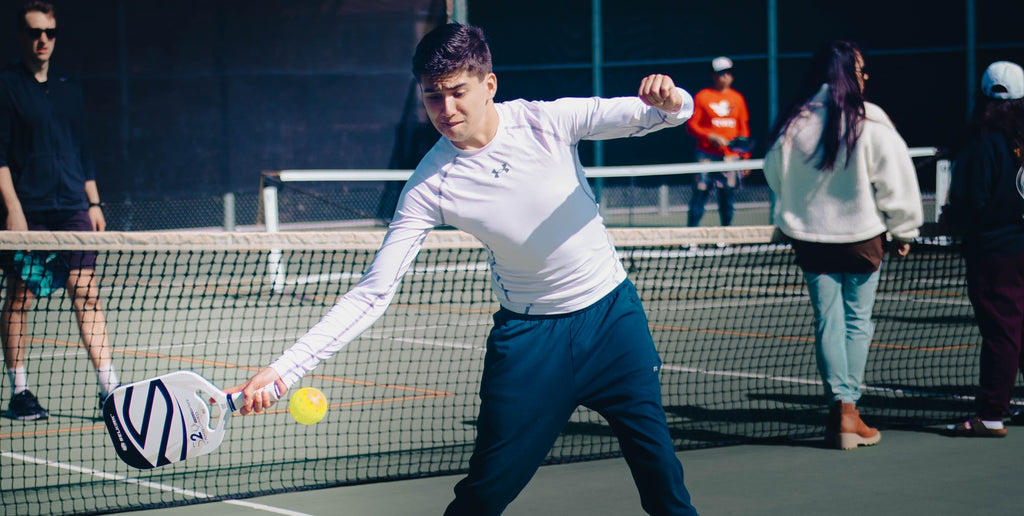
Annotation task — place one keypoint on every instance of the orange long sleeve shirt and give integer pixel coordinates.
(718, 112)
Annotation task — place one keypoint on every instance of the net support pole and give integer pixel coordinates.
(597, 77)
(663, 205)
(229, 211)
(773, 82)
(275, 264)
(942, 180)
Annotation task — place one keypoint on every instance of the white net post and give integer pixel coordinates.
(275, 263)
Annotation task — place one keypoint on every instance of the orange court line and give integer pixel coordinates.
(150, 354)
(52, 431)
(364, 383)
(804, 339)
(251, 368)
(446, 308)
(426, 393)
(201, 361)
(730, 333)
(366, 402)
(40, 433)
(719, 293)
(187, 360)
(936, 348)
(935, 293)
(393, 400)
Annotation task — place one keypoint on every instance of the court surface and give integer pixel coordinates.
(908, 473)
(911, 472)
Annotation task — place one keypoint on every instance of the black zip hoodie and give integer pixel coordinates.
(43, 139)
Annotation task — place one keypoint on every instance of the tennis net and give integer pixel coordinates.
(727, 308)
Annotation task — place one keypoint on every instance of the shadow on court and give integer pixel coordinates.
(908, 473)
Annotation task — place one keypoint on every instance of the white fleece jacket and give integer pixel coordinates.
(875, 192)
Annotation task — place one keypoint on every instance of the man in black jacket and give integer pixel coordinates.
(47, 183)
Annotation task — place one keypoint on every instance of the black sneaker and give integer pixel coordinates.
(25, 407)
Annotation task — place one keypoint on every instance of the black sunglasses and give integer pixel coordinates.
(38, 33)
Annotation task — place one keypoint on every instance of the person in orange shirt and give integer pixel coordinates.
(719, 117)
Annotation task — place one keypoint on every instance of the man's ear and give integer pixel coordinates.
(492, 84)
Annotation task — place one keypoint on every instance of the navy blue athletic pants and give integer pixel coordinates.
(538, 369)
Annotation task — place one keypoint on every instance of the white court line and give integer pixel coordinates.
(805, 381)
(738, 374)
(152, 485)
(78, 351)
(712, 302)
(337, 276)
(266, 508)
(440, 344)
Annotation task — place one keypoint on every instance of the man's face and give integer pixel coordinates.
(460, 107)
(722, 79)
(36, 45)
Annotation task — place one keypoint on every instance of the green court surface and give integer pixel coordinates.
(908, 473)
(732, 325)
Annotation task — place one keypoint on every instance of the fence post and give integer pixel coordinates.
(942, 179)
(663, 205)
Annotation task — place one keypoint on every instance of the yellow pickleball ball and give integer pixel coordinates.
(308, 405)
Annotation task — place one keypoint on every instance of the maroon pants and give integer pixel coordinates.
(996, 289)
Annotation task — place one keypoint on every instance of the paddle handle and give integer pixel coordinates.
(235, 400)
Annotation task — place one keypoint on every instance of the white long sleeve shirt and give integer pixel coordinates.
(877, 191)
(524, 196)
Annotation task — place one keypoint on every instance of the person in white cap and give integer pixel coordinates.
(986, 209)
(719, 117)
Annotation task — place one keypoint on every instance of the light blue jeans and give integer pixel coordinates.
(842, 330)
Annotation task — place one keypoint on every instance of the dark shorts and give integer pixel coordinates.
(57, 221)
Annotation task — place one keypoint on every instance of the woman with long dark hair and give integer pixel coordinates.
(843, 178)
(986, 207)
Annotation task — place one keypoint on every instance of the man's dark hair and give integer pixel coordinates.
(43, 7)
(450, 49)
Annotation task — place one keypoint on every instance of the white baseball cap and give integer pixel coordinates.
(1003, 80)
(721, 64)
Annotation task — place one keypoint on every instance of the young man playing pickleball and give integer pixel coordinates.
(571, 330)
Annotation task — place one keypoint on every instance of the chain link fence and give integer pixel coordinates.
(624, 202)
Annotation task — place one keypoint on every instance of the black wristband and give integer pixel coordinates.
(98, 204)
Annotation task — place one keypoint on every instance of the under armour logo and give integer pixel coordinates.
(502, 170)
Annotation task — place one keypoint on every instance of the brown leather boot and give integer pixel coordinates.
(852, 431)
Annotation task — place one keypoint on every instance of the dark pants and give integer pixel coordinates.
(996, 289)
(725, 182)
(538, 369)
(726, 205)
